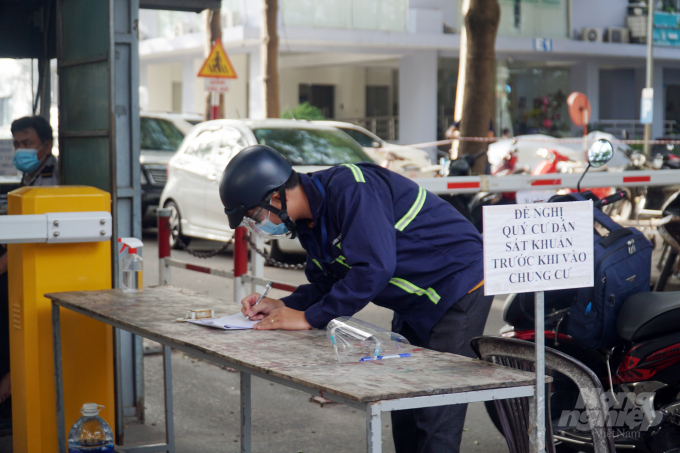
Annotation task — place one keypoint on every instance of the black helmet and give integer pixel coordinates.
(249, 178)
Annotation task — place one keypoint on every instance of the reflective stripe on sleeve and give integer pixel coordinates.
(413, 212)
(413, 289)
(356, 171)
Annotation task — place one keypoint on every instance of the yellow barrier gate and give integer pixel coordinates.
(87, 345)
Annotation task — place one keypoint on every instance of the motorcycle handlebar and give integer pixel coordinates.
(610, 199)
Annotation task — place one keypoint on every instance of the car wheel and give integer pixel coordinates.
(271, 248)
(176, 227)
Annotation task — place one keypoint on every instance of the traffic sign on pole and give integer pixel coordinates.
(217, 64)
(218, 71)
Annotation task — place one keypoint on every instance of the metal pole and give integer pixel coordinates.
(58, 378)
(240, 262)
(539, 401)
(650, 65)
(163, 245)
(214, 105)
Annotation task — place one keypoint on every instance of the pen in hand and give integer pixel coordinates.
(264, 294)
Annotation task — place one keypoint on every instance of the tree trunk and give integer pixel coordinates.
(481, 23)
(269, 51)
(214, 32)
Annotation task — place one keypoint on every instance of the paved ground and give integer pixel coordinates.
(284, 420)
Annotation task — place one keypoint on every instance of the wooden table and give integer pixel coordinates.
(302, 360)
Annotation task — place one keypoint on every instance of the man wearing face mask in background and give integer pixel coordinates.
(33, 157)
(33, 151)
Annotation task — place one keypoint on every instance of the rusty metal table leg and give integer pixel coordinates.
(58, 378)
(245, 413)
(374, 427)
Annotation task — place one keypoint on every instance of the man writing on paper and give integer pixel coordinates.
(370, 235)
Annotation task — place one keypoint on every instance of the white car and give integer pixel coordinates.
(160, 137)
(194, 172)
(407, 161)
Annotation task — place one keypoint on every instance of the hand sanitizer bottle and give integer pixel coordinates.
(132, 265)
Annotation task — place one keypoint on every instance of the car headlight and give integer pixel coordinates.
(638, 159)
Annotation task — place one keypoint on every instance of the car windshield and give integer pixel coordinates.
(159, 135)
(312, 146)
(361, 138)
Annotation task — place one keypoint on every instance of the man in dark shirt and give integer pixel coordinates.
(371, 236)
(32, 137)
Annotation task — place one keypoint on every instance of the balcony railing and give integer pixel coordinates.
(635, 129)
(385, 127)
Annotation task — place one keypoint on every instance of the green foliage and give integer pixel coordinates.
(304, 111)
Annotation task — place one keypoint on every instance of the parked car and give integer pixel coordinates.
(407, 161)
(194, 172)
(160, 136)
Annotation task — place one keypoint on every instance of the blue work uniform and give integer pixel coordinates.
(377, 236)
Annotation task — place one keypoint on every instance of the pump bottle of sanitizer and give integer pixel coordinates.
(132, 265)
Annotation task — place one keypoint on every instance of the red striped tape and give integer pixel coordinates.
(193, 267)
(283, 287)
(547, 182)
(463, 185)
(636, 179)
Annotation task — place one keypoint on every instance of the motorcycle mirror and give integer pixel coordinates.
(600, 153)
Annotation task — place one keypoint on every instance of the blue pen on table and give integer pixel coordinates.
(262, 296)
(382, 357)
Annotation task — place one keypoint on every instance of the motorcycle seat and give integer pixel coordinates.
(644, 315)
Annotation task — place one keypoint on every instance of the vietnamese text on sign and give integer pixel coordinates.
(538, 247)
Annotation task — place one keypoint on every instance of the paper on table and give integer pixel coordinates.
(231, 322)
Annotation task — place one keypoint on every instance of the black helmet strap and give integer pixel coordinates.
(282, 213)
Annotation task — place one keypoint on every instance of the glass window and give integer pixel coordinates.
(159, 135)
(532, 18)
(360, 14)
(231, 143)
(312, 147)
(202, 145)
(532, 99)
(361, 138)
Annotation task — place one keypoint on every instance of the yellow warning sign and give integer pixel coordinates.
(217, 64)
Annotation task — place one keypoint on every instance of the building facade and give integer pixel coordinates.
(393, 64)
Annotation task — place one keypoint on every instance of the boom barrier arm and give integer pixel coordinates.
(552, 181)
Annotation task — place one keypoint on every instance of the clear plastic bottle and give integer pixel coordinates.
(132, 266)
(90, 434)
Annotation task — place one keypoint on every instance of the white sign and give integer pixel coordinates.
(219, 85)
(533, 196)
(538, 247)
(647, 106)
(542, 45)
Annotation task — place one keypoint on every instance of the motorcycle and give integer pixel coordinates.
(461, 166)
(669, 229)
(641, 371)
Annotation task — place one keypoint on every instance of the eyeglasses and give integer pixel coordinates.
(261, 214)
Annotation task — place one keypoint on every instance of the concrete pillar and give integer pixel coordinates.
(659, 102)
(418, 98)
(255, 89)
(188, 85)
(585, 78)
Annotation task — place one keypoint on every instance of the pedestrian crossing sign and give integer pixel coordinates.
(217, 64)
